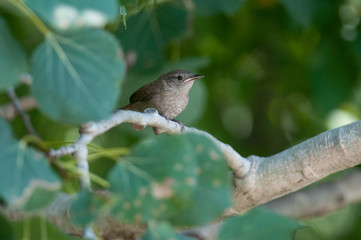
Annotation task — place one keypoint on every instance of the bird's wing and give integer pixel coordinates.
(144, 94)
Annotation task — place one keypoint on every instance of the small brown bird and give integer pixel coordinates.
(169, 94)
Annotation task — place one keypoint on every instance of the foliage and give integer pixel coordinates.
(277, 72)
(183, 178)
(81, 79)
(273, 226)
(12, 58)
(27, 181)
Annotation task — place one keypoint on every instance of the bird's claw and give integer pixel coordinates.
(159, 131)
(180, 123)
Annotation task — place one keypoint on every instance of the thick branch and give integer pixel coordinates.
(297, 167)
(314, 201)
(320, 199)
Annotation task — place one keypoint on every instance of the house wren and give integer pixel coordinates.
(168, 94)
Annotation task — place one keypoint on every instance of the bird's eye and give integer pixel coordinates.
(180, 77)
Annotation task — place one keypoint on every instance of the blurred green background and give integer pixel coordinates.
(277, 73)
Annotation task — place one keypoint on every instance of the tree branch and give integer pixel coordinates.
(24, 116)
(314, 201)
(90, 130)
(8, 111)
(321, 198)
(151, 117)
(257, 179)
(288, 171)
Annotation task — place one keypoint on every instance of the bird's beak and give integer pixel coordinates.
(194, 77)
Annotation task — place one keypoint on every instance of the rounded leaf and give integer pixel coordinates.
(258, 224)
(163, 231)
(12, 58)
(212, 194)
(86, 207)
(27, 181)
(155, 181)
(70, 14)
(150, 30)
(77, 76)
(181, 178)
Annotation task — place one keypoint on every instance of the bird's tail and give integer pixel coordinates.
(126, 107)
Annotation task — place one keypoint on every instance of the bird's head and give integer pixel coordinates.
(180, 79)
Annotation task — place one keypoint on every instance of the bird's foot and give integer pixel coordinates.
(138, 127)
(180, 123)
(158, 131)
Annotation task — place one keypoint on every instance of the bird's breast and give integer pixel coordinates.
(171, 104)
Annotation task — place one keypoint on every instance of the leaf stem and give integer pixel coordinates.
(29, 13)
(26, 229)
(43, 229)
(93, 177)
(24, 116)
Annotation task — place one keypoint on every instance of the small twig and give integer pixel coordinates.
(24, 116)
(81, 158)
(9, 112)
(89, 233)
(90, 130)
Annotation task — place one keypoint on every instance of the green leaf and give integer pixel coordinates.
(80, 211)
(27, 179)
(211, 7)
(155, 180)
(183, 178)
(70, 14)
(149, 31)
(212, 195)
(163, 231)
(12, 58)
(6, 231)
(77, 76)
(86, 208)
(258, 224)
(38, 228)
(5, 136)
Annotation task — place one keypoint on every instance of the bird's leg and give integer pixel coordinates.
(180, 123)
(158, 131)
(177, 121)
